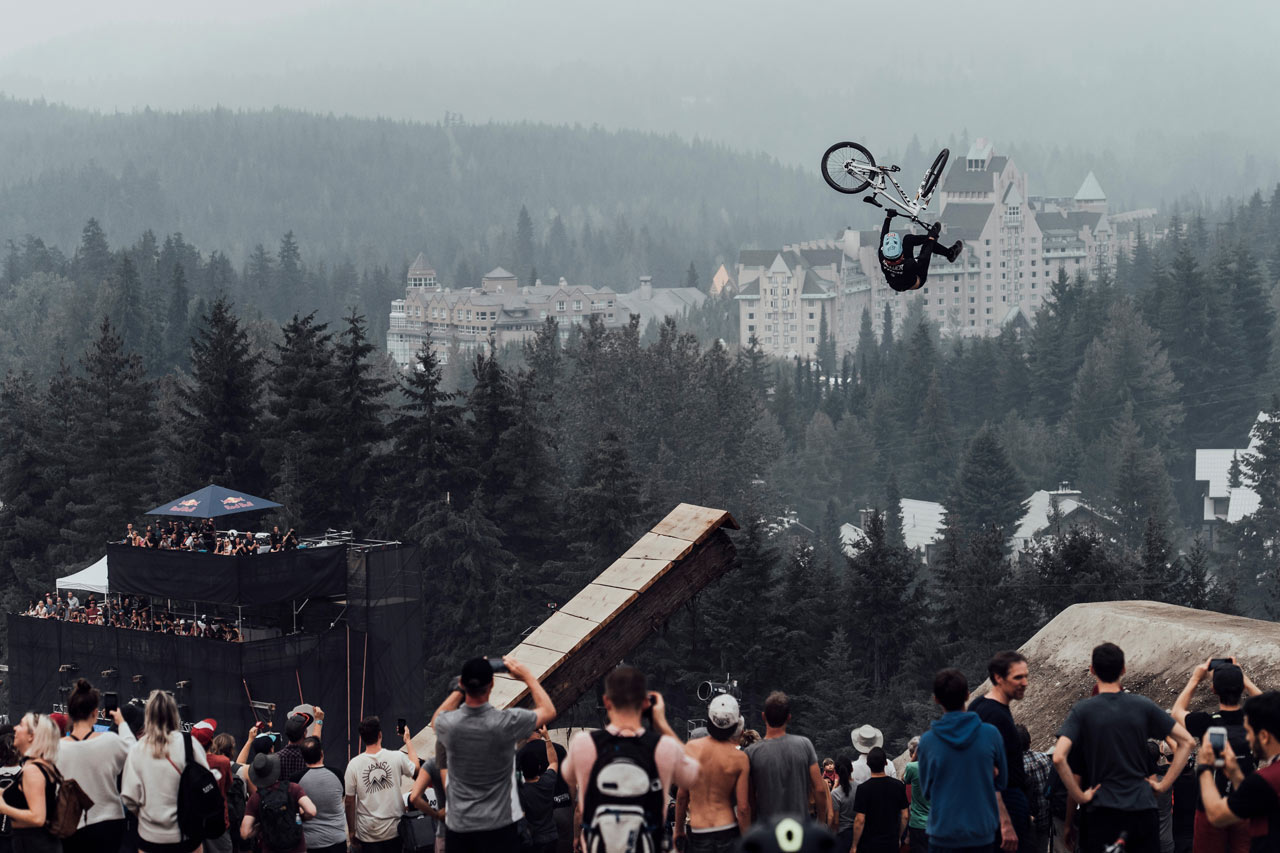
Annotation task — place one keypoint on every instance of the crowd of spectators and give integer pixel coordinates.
(201, 535)
(135, 613)
(969, 784)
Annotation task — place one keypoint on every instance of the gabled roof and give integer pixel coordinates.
(420, 265)
(1090, 190)
(1012, 198)
(757, 257)
(498, 272)
(750, 290)
(813, 284)
(961, 180)
(822, 257)
(966, 221)
(1039, 505)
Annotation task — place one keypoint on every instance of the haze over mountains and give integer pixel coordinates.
(1107, 86)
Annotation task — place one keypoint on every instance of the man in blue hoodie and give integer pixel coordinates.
(962, 766)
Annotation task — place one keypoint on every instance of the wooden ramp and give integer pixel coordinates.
(584, 639)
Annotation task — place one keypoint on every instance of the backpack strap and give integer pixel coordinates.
(186, 744)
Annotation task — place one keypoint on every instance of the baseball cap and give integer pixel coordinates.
(1228, 679)
(295, 728)
(203, 731)
(476, 673)
(724, 713)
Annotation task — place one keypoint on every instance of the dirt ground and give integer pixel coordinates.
(1162, 645)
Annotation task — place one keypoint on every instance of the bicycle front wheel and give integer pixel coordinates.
(847, 167)
(935, 172)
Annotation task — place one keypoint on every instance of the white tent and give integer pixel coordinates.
(92, 579)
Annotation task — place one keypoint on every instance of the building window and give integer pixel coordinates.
(751, 328)
(560, 306)
(751, 315)
(810, 315)
(577, 305)
(810, 340)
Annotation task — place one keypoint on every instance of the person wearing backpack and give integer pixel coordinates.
(95, 760)
(30, 804)
(622, 772)
(153, 775)
(217, 751)
(1230, 684)
(276, 809)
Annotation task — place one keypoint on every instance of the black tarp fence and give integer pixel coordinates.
(219, 676)
(367, 661)
(257, 580)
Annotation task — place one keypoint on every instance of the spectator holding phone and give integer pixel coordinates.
(372, 786)
(95, 760)
(480, 741)
(1230, 685)
(1256, 797)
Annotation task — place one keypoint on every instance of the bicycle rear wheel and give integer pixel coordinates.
(935, 172)
(836, 163)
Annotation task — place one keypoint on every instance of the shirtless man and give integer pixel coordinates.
(722, 781)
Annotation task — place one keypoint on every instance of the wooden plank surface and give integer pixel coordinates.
(506, 692)
(653, 546)
(632, 574)
(561, 633)
(540, 661)
(598, 602)
(693, 523)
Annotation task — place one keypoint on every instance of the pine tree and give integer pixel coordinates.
(361, 395)
(934, 444)
(24, 491)
(867, 353)
(893, 514)
(217, 435)
(1253, 312)
(177, 340)
(1140, 488)
(1257, 549)
(303, 392)
(691, 277)
(430, 447)
(826, 347)
(606, 510)
(289, 284)
(988, 492)
(93, 258)
(529, 506)
(524, 240)
(492, 405)
(883, 605)
(113, 479)
(754, 364)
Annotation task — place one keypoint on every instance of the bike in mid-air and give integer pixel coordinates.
(849, 168)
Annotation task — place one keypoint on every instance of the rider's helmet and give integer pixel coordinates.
(891, 247)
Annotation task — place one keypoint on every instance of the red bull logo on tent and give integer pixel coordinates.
(185, 506)
(234, 503)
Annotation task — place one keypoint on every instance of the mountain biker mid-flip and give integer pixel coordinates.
(902, 268)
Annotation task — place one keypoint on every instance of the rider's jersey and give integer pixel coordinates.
(900, 273)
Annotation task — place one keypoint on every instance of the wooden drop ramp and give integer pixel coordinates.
(583, 640)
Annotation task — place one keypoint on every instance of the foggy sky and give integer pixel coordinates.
(786, 78)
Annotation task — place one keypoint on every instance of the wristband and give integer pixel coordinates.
(1201, 768)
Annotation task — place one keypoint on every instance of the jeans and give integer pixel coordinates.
(502, 840)
(1105, 825)
(1019, 809)
(96, 837)
(722, 841)
(919, 839)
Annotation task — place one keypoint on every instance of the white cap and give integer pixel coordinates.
(723, 712)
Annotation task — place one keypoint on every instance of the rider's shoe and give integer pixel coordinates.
(935, 229)
(954, 251)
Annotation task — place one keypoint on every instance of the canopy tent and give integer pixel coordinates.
(212, 502)
(91, 579)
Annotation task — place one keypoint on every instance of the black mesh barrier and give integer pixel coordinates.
(333, 662)
(257, 580)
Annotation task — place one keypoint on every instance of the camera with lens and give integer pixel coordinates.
(708, 690)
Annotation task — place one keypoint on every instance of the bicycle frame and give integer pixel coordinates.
(878, 175)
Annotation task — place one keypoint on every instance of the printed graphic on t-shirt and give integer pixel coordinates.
(377, 776)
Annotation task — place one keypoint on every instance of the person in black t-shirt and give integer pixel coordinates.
(881, 806)
(1112, 729)
(1230, 684)
(1256, 797)
(1009, 672)
(541, 772)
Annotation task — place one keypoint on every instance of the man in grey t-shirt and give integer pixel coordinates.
(327, 831)
(784, 769)
(480, 741)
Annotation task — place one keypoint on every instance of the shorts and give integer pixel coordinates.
(720, 841)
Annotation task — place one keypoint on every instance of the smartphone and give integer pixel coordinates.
(497, 665)
(110, 702)
(1218, 743)
(401, 726)
(1219, 663)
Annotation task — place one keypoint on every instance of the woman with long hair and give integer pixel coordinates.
(842, 813)
(29, 804)
(151, 774)
(95, 760)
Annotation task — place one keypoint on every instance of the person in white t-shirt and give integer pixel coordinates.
(372, 785)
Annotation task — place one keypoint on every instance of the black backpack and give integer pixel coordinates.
(1239, 745)
(624, 804)
(237, 800)
(201, 809)
(279, 818)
